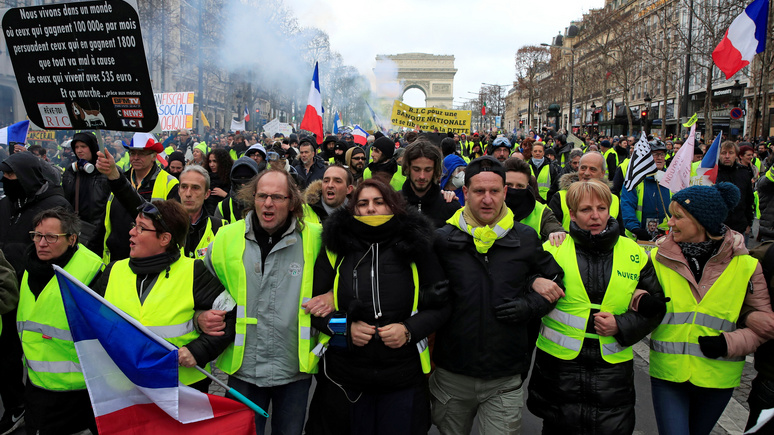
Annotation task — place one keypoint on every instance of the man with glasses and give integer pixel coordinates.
(145, 181)
(267, 261)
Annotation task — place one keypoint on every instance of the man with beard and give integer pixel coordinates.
(355, 159)
(422, 166)
(325, 196)
(501, 149)
(309, 166)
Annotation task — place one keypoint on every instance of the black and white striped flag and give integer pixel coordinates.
(640, 164)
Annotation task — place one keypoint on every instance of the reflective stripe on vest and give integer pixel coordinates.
(615, 208)
(675, 353)
(226, 256)
(162, 185)
(563, 330)
(49, 351)
(543, 179)
(168, 308)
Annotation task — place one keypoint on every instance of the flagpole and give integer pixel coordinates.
(167, 345)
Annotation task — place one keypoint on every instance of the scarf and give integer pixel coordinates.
(697, 254)
(484, 236)
(154, 264)
(374, 220)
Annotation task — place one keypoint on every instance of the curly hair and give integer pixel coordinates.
(224, 164)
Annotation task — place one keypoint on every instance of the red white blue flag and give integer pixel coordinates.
(133, 379)
(247, 115)
(359, 135)
(745, 37)
(313, 116)
(708, 168)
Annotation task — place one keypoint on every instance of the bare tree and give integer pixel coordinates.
(531, 61)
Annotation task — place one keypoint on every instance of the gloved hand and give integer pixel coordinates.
(434, 296)
(713, 347)
(515, 311)
(641, 233)
(652, 306)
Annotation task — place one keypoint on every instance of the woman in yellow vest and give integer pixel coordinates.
(55, 394)
(697, 353)
(379, 256)
(583, 378)
(163, 290)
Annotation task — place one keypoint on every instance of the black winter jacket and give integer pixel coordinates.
(387, 251)
(474, 342)
(93, 193)
(741, 216)
(316, 171)
(588, 395)
(432, 204)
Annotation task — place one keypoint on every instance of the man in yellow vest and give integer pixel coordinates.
(145, 181)
(13, 417)
(520, 198)
(55, 394)
(546, 174)
(194, 189)
(266, 262)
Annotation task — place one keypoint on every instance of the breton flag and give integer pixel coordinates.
(337, 124)
(247, 115)
(359, 135)
(678, 174)
(313, 116)
(708, 169)
(640, 164)
(15, 133)
(132, 377)
(745, 37)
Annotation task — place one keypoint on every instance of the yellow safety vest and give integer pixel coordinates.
(228, 215)
(675, 355)
(617, 163)
(310, 215)
(226, 256)
(168, 309)
(543, 179)
(201, 249)
(563, 330)
(424, 351)
(534, 219)
(161, 187)
(49, 352)
(615, 208)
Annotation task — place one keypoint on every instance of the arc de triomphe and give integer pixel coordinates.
(432, 74)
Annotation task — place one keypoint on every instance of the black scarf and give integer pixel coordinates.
(155, 264)
(39, 272)
(697, 254)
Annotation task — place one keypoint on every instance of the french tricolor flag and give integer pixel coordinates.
(745, 37)
(313, 116)
(708, 168)
(133, 379)
(359, 135)
(247, 115)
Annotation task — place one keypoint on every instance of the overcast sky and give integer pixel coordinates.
(483, 35)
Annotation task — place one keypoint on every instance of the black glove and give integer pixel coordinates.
(434, 296)
(641, 233)
(652, 306)
(515, 311)
(713, 347)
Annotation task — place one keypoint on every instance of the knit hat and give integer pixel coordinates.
(709, 205)
(90, 140)
(177, 155)
(202, 146)
(605, 143)
(386, 146)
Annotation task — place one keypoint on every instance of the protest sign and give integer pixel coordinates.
(81, 65)
(44, 135)
(430, 118)
(175, 110)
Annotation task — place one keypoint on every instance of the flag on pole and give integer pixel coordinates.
(247, 115)
(640, 164)
(745, 37)
(678, 174)
(359, 135)
(15, 133)
(483, 109)
(377, 121)
(313, 116)
(204, 119)
(133, 379)
(337, 124)
(708, 168)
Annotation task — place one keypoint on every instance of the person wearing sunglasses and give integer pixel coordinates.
(55, 392)
(163, 289)
(356, 160)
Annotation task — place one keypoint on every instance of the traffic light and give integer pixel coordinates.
(521, 123)
(644, 114)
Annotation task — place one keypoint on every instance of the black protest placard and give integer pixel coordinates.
(81, 65)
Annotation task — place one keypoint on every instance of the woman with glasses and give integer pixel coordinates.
(163, 290)
(55, 394)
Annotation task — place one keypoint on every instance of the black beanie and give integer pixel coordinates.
(386, 146)
(90, 140)
(177, 155)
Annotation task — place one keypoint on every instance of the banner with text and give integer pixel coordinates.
(81, 65)
(430, 118)
(175, 110)
(45, 135)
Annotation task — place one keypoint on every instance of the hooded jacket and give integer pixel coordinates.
(432, 204)
(30, 194)
(450, 164)
(230, 200)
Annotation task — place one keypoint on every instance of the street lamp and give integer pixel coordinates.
(498, 110)
(572, 71)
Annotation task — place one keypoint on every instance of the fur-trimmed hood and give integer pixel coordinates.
(412, 237)
(313, 192)
(567, 179)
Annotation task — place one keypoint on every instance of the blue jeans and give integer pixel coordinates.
(685, 409)
(288, 404)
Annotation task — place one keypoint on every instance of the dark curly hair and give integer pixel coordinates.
(224, 164)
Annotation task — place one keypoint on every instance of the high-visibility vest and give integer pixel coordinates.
(422, 348)
(624, 167)
(204, 242)
(617, 163)
(615, 208)
(396, 182)
(226, 256)
(534, 219)
(309, 214)
(675, 354)
(167, 310)
(543, 179)
(49, 352)
(161, 187)
(226, 208)
(759, 163)
(563, 330)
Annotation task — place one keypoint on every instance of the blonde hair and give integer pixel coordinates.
(581, 189)
(682, 211)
